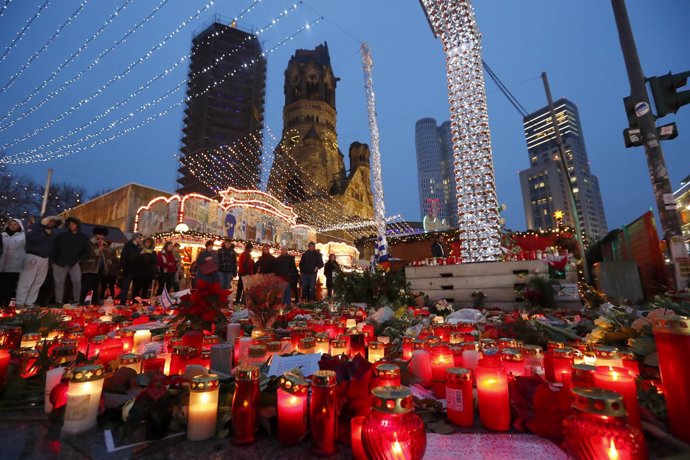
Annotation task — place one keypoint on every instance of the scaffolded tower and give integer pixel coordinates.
(454, 23)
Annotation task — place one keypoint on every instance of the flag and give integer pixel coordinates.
(166, 300)
(381, 253)
(87, 299)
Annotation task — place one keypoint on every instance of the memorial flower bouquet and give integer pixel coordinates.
(264, 294)
(203, 307)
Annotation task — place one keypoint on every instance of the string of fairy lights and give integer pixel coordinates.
(23, 30)
(81, 73)
(181, 84)
(43, 48)
(67, 61)
(114, 79)
(72, 148)
(4, 7)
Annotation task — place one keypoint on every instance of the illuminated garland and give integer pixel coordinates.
(67, 61)
(56, 153)
(114, 79)
(147, 85)
(4, 7)
(478, 216)
(33, 57)
(23, 31)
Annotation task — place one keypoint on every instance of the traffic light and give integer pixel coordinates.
(666, 99)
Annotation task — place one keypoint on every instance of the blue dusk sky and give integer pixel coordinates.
(574, 41)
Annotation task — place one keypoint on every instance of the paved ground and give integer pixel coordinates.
(29, 436)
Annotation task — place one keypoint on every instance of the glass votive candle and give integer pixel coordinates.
(150, 362)
(322, 343)
(630, 362)
(83, 399)
(470, 355)
(273, 347)
(460, 402)
(376, 351)
(244, 405)
(127, 338)
(387, 375)
(181, 355)
(357, 345)
(131, 361)
(492, 396)
(618, 379)
(323, 413)
(607, 356)
(407, 346)
(201, 358)
(456, 337)
(441, 359)
(562, 363)
(307, 345)
(140, 339)
(338, 347)
(172, 343)
(368, 333)
(64, 353)
(209, 341)
(513, 362)
(203, 407)
(456, 350)
(432, 340)
(487, 343)
(30, 339)
(256, 355)
(419, 344)
(95, 345)
(505, 342)
(292, 408)
(583, 375)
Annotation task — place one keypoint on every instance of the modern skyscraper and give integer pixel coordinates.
(308, 171)
(226, 90)
(435, 178)
(544, 185)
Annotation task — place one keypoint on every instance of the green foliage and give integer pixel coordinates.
(38, 320)
(376, 288)
(539, 293)
(678, 302)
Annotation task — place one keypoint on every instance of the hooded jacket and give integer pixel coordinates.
(12, 258)
(38, 242)
(98, 256)
(71, 248)
(142, 265)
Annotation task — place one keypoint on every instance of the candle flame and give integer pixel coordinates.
(612, 451)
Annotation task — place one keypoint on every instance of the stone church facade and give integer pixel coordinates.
(308, 170)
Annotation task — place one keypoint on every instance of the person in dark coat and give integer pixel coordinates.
(12, 256)
(207, 256)
(227, 263)
(437, 247)
(70, 249)
(167, 268)
(245, 266)
(40, 238)
(267, 262)
(95, 266)
(286, 268)
(142, 266)
(130, 250)
(112, 263)
(309, 265)
(328, 269)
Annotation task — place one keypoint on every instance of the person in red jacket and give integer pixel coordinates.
(245, 266)
(167, 268)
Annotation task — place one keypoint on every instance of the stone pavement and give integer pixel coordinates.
(29, 436)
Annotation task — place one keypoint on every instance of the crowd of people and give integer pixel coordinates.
(91, 269)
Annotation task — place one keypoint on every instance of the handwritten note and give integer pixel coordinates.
(491, 446)
(308, 364)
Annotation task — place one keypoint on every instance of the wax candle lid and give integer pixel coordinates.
(582, 370)
(456, 334)
(98, 339)
(75, 335)
(419, 344)
(627, 355)
(247, 372)
(63, 350)
(490, 352)
(87, 373)
(473, 346)
(321, 337)
(205, 354)
(211, 339)
(184, 350)
(68, 342)
(149, 355)
(323, 379)
(257, 351)
(598, 401)
(675, 325)
(409, 339)
(307, 342)
(387, 371)
(274, 346)
(565, 353)
(376, 346)
(293, 383)
(532, 350)
(552, 344)
(507, 343)
(458, 374)
(433, 339)
(206, 382)
(31, 336)
(511, 354)
(263, 340)
(487, 343)
(338, 343)
(129, 358)
(392, 400)
(605, 351)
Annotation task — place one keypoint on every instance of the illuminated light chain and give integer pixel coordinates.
(478, 215)
(4, 7)
(33, 57)
(23, 31)
(147, 85)
(67, 61)
(81, 73)
(379, 204)
(361, 224)
(116, 78)
(60, 153)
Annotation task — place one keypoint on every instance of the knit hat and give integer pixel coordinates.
(136, 235)
(58, 220)
(100, 230)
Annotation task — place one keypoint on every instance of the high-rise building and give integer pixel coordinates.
(308, 171)
(221, 143)
(544, 185)
(435, 177)
(682, 199)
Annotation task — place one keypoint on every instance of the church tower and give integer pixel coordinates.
(308, 165)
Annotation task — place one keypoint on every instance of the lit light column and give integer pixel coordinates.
(379, 205)
(454, 23)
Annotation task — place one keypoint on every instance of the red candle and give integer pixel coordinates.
(456, 351)
(203, 359)
(618, 379)
(672, 337)
(193, 339)
(357, 345)
(110, 350)
(387, 375)
(292, 408)
(151, 363)
(323, 413)
(459, 396)
(210, 340)
(534, 359)
(4, 364)
(630, 362)
(441, 359)
(180, 358)
(513, 362)
(368, 333)
(356, 438)
(244, 402)
(583, 375)
(507, 343)
(95, 345)
(492, 396)
(597, 428)
(127, 338)
(562, 363)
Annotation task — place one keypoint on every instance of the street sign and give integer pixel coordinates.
(667, 132)
(641, 109)
(633, 136)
